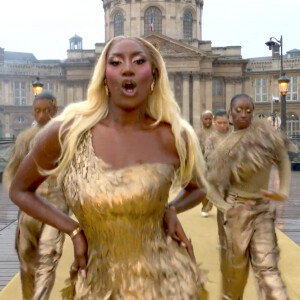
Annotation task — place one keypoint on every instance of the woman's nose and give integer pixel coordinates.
(127, 69)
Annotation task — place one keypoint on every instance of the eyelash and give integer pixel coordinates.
(114, 63)
(139, 61)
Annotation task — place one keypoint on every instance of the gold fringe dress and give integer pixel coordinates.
(121, 213)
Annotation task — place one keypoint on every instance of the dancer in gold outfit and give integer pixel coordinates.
(206, 130)
(216, 136)
(222, 130)
(203, 135)
(117, 155)
(239, 170)
(39, 246)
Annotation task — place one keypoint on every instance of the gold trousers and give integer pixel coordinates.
(206, 205)
(248, 237)
(39, 248)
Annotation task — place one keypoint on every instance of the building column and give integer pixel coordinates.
(196, 102)
(208, 91)
(70, 94)
(7, 128)
(172, 82)
(185, 97)
(238, 85)
(229, 91)
(6, 95)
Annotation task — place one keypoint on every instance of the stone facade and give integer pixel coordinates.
(261, 82)
(202, 77)
(172, 14)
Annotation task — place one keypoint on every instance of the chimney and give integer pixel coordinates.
(275, 51)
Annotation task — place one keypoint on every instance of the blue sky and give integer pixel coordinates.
(44, 27)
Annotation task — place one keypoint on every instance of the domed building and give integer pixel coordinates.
(178, 20)
(202, 77)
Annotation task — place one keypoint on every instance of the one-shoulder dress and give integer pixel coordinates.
(121, 213)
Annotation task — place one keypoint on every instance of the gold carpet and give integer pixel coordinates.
(203, 232)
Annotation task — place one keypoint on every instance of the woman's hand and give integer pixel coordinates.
(175, 231)
(271, 195)
(80, 253)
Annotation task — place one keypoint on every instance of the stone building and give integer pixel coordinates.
(261, 82)
(201, 76)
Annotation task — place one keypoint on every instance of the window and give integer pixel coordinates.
(48, 87)
(292, 94)
(217, 87)
(261, 90)
(152, 20)
(292, 126)
(294, 54)
(187, 25)
(118, 24)
(20, 93)
(21, 119)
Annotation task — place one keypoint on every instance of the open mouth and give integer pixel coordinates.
(129, 86)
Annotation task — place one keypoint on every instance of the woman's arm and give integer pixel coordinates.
(284, 170)
(28, 178)
(22, 192)
(188, 198)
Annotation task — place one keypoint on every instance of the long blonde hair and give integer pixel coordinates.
(78, 118)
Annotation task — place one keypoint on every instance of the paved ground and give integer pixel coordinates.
(9, 262)
(288, 212)
(288, 220)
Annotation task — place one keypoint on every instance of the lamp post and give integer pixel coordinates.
(37, 87)
(283, 81)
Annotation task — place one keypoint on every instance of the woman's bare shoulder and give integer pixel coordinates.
(164, 130)
(167, 139)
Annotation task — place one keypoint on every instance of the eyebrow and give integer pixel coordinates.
(120, 54)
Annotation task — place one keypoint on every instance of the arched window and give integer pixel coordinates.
(152, 20)
(118, 24)
(187, 25)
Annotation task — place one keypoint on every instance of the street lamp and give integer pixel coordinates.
(37, 86)
(283, 81)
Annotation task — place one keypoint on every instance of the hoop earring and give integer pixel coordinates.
(106, 90)
(106, 87)
(152, 86)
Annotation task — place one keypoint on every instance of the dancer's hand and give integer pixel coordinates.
(271, 195)
(175, 231)
(80, 255)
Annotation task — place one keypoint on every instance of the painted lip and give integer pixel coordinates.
(243, 121)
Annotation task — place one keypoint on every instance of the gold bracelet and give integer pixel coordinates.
(171, 207)
(75, 232)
